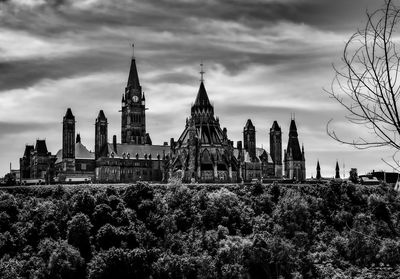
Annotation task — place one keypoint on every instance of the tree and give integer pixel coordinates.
(107, 237)
(79, 234)
(65, 262)
(367, 84)
(119, 263)
(9, 179)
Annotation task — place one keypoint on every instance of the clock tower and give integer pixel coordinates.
(133, 122)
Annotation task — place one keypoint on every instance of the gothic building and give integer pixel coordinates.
(37, 162)
(202, 153)
(135, 158)
(294, 159)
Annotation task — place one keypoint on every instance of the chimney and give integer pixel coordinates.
(239, 145)
(78, 138)
(115, 143)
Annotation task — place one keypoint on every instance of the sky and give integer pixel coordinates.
(264, 60)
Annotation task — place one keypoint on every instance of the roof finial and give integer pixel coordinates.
(201, 71)
(133, 51)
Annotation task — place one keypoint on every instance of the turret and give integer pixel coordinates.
(133, 117)
(202, 110)
(68, 140)
(318, 171)
(337, 174)
(275, 145)
(249, 139)
(295, 167)
(101, 132)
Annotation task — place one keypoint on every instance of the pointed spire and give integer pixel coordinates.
(133, 51)
(202, 97)
(123, 98)
(318, 171)
(101, 115)
(69, 115)
(293, 146)
(249, 125)
(293, 129)
(275, 126)
(133, 79)
(337, 175)
(143, 97)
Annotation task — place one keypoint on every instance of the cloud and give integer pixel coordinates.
(264, 60)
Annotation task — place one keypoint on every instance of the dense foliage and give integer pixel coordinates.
(337, 230)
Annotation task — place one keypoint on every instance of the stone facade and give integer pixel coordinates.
(295, 162)
(203, 152)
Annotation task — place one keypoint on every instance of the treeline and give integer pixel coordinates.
(337, 230)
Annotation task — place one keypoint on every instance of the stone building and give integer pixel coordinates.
(202, 153)
(37, 162)
(294, 159)
(135, 158)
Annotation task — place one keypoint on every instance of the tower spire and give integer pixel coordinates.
(133, 51)
(202, 72)
(337, 175)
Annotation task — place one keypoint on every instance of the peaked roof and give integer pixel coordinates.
(259, 153)
(28, 149)
(41, 147)
(249, 124)
(101, 115)
(293, 129)
(202, 97)
(69, 115)
(133, 79)
(293, 143)
(81, 152)
(275, 126)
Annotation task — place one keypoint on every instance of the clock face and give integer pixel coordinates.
(135, 99)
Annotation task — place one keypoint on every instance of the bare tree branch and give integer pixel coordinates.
(366, 83)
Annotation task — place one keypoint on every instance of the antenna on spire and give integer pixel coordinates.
(202, 71)
(133, 50)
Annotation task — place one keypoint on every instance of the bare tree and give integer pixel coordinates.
(367, 85)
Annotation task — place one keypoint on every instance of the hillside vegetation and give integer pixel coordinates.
(200, 231)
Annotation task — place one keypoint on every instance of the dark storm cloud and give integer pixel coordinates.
(179, 78)
(163, 13)
(283, 48)
(18, 128)
(27, 72)
(61, 20)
